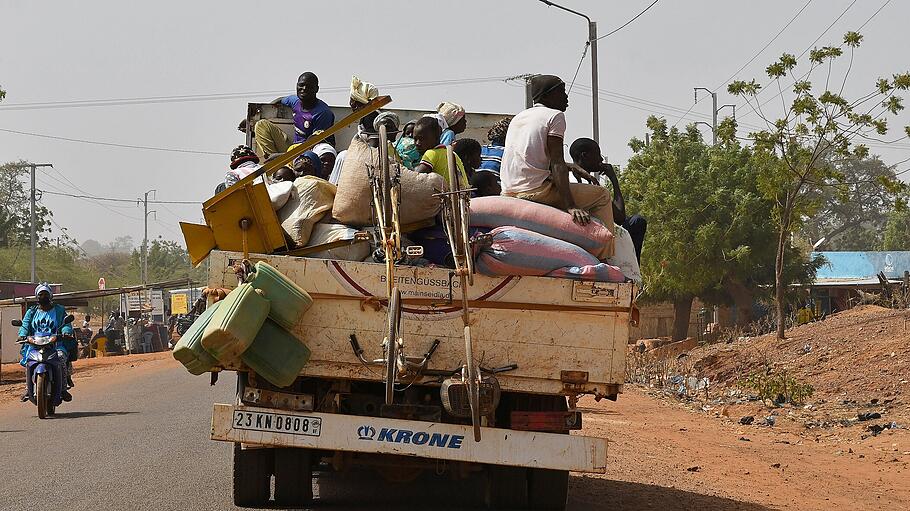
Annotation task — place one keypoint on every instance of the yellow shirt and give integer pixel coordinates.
(438, 162)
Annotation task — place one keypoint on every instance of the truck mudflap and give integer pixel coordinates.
(336, 432)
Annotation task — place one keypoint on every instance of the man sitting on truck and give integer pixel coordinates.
(533, 164)
(586, 154)
(310, 114)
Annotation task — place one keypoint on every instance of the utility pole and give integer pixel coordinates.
(33, 221)
(714, 112)
(592, 41)
(144, 268)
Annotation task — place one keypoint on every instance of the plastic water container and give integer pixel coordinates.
(276, 355)
(289, 301)
(235, 324)
(189, 351)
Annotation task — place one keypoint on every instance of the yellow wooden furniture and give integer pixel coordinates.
(241, 218)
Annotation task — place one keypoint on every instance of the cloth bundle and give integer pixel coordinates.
(517, 251)
(310, 199)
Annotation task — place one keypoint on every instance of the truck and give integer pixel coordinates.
(563, 338)
(540, 343)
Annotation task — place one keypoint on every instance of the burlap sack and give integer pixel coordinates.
(354, 202)
(311, 198)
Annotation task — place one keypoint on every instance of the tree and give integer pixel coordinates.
(897, 230)
(14, 207)
(814, 132)
(710, 234)
(167, 260)
(853, 214)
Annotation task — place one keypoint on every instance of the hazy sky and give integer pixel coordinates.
(92, 50)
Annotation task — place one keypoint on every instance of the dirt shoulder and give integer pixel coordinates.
(663, 455)
(12, 384)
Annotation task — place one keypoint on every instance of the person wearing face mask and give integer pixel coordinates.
(46, 318)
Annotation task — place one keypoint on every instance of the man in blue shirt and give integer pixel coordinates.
(46, 319)
(310, 114)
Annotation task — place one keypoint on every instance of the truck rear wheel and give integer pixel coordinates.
(507, 487)
(548, 489)
(293, 477)
(252, 476)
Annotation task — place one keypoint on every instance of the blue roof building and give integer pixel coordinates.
(841, 282)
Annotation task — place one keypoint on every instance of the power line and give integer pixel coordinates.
(624, 25)
(112, 144)
(116, 199)
(765, 47)
(182, 98)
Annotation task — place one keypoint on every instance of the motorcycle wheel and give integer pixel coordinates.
(41, 395)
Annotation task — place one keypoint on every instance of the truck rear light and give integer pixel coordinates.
(545, 421)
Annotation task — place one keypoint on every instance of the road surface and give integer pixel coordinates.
(137, 438)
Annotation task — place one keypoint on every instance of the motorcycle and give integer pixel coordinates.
(44, 369)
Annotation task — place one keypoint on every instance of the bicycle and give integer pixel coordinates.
(386, 197)
(456, 218)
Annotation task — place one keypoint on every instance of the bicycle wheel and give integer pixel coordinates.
(391, 351)
(465, 211)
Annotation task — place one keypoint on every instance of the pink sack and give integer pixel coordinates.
(547, 220)
(517, 251)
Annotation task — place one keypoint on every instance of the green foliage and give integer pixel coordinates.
(778, 386)
(853, 211)
(897, 230)
(14, 207)
(710, 225)
(812, 136)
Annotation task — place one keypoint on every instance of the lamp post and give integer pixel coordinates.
(592, 41)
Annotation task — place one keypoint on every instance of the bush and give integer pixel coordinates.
(778, 386)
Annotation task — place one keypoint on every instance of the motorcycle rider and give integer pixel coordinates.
(46, 319)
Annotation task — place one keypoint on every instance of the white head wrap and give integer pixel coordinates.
(363, 92)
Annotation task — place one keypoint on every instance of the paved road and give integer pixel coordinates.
(138, 439)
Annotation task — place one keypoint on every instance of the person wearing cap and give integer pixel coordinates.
(361, 93)
(367, 132)
(454, 116)
(311, 114)
(327, 156)
(534, 166)
(243, 163)
(46, 319)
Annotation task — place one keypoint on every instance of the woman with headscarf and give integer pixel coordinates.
(406, 147)
(454, 116)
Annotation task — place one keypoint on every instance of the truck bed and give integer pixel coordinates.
(566, 337)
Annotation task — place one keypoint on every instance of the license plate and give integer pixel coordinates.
(277, 423)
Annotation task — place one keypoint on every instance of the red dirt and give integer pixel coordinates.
(12, 384)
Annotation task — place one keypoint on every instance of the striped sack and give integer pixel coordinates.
(517, 251)
(498, 211)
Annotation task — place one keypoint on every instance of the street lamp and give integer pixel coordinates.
(592, 40)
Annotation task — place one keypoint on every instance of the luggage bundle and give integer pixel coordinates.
(252, 324)
(535, 239)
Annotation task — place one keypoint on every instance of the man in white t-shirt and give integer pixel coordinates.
(534, 166)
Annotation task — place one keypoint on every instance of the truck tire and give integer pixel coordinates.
(507, 487)
(548, 489)
(252, 476)
(293, 477)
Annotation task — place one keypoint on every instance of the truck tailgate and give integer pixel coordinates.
(561, 333)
